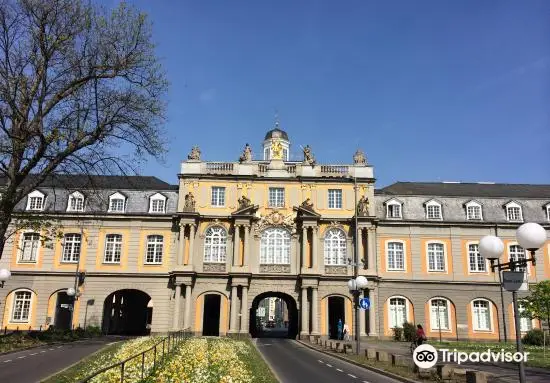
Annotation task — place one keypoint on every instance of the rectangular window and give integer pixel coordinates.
(21, 306)
(113, 248)
(436, 257)
(513, 213)
(335, 198)
(439, 318)
(394, 211)
(218, 196)
(29, 248)
(476, 261)
(71, 248)
(473, 212)
(154, 249)
(157, 206)
(482, 318)
(396, 256)
(117, 205)
(434, 211)
(276, 197)
(36, 203)
(517, 253)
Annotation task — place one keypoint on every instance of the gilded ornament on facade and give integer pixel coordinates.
(276, 219)
(276, 150)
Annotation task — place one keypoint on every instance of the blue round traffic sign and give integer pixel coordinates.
(364, 303)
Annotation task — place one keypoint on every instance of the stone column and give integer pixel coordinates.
(233, 317)
(191, 242)
(314, 253)
(180, 257)
(246, 245)
(244, 310)
(360, 250)
(362, 321)
(236, 245)
(177, 298)
(187, 312)
(305, 313)
(371, 248)
(372, 314)
(314, 312)
(304, 246)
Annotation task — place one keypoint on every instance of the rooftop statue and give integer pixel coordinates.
(189, 201)
(247, 154)
(307, 204)
(244, 202)
(195, 154)
(309, 159)
(359, 158)
(363, 206)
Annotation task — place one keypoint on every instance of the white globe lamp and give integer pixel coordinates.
(352, 285)
(71, 292)
(5, 274)
(491, 247)
(531, 236)
(361, 282)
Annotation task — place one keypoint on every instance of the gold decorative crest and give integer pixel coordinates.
(276, 150)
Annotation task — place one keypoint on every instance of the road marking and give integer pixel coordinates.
(366, 381)
(6, 361)
(329, 365)
(42, 351)
(52, 349)
(21, 357)
(339, 370)
(320, 361)
(353, 376)
(34, 353)
(59, 346)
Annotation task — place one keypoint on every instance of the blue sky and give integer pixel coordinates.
(430, 90)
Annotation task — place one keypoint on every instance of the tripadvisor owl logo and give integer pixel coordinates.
(425, 356)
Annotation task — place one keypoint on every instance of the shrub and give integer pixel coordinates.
(534, 337)
(93, 331)
(409, 331)
(397, 333)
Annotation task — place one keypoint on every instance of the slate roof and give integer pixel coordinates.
(443, 189)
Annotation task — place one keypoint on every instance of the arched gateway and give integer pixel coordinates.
(291, 325)
(127, 312)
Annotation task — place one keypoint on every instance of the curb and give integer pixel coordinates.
(81, 360)
(253, 341)
(370, 368)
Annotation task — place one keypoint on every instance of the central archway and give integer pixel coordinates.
(127, 312)
(286, 323)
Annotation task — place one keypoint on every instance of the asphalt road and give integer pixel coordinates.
(32, 365)
(295, 363)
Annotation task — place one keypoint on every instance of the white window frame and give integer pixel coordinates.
(270, 253)
(523, 321)
(29, 308)
(75, 196)
(157, 198)
(115, 245)
(116, 196)
(435, 263)
(152, 248)
(217, 196)
(433, 203)
(516, 255)
(547, 212)
(336, 199)
(69, 246)
(406, 311)
(473, 204)
(215, 245)
(36, 194)
(276, 202)
(21, 248)
(404, 248)
(335, 247)
(478, 256)
(513, 205)
(394, 203)
(434, 323)
(489, 312)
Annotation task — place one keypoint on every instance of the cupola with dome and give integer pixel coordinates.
(276, 145)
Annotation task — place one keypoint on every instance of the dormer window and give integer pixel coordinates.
(117, 203)
(433, 210)
(473, 211)
(547, 208)
(35, 201)
(157, 203)
(393, 209)
(513, 212)
(76, 202)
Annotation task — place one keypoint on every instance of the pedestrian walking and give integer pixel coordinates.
(346, 332)
(340, 329)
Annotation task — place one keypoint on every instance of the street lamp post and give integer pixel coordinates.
(355, 287)
(5, 274)
(531, 236)
(73, 291)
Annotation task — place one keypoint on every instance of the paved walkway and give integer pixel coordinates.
(504, 372)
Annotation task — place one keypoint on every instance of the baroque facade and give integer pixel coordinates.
(201, 255)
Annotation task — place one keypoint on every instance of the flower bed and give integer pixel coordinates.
(212, 360)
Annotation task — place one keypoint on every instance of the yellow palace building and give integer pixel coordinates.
(202, 254)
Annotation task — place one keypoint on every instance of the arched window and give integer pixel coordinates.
(21, 311)
(275, 247)
(439, 314)
(154, 249)
(335, 247)
(215, 244)
(397, 312)
(481, 312)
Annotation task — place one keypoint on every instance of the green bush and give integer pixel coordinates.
(93, 331)
(409, 331)
(534, 337)
(397, 333)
